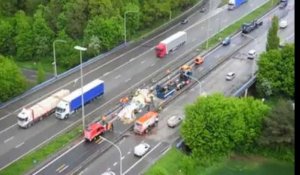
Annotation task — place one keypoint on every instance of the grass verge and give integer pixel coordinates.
(29, 161)
(237, 25)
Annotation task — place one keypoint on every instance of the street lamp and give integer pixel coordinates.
(255, 41)
(200, 84)
(81, 81)
(117, 149)
(207, 31)
(125, 23)
(170, 15)
(54, 55)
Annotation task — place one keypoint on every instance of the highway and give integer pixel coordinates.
(120, 73)
(161, 137)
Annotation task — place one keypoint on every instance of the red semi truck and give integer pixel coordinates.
(170, 44)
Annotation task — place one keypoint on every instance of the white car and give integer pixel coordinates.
(174, 121)
(251, 54)
(108, 173)
(230, 76)
(283, 24)
(141, 149)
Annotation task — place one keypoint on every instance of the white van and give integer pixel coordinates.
(251, 54)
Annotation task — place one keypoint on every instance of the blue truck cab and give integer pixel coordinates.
(232, 4)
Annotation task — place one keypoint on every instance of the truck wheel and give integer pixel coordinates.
(67, 116)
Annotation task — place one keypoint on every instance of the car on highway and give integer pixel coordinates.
(174, 121)
(283, 4)
(226, 41)
(184, 21)
(198, 60)
(230, 76)
(141, 149)
(251, 54)
(283, 24)
(108, 173)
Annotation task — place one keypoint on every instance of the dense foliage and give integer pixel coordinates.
(12, 81)
(216, 125)
(276, 72)
(29, 27)
(273, 39)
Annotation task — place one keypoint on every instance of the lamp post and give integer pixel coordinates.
(252, 68)
(117, 149)
(200, 84)
(81, 81)
(207, 31)
(170, 15)
(54, 55)
(125, 23)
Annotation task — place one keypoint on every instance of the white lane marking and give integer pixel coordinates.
(63, 169)
(127, 80)
(122, 157)
(106, 74)
(8, 128)
(5, 116)
(141, 158)
(131, 59)
(152, 65)
(20, 145)
(116, 163)
(142, 62)
(108, 169)
(118, 76)
(57, 158)
(7, 140)
(128, 152)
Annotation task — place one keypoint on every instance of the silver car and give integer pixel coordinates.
(230, 76)
(174, 121)
(108, 173)
(141, 149)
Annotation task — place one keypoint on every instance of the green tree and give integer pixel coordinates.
(24, 37)
(43, 36)
(52, 12)
(11, 79)
(132, 19)
(103, 8)
(279, 126)
(108, 31)
(41, 75)
(75, 17)
(159, 171)
(276, 67)
(8, 7)
(273, 39)
(216, 125)
(7, 46)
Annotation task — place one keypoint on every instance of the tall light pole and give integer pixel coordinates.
(170, 15)
(200, 84)
(117, 149)
(54, 55)
(81, 82)
(207, 31)
(255, 41)
(125, 23)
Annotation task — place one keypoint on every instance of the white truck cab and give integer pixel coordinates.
(23, 119)
(62, 110)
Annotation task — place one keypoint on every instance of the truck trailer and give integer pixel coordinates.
(170, 44)
(232, 4)
(146, 122)
(41, 109)
(72, 102)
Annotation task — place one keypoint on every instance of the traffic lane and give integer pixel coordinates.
(87, 79)
(147, 159)
(110, 160)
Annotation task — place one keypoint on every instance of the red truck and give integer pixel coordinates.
(170, 44)
(96, 129)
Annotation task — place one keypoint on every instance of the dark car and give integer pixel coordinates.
(184, 21)
(226, 41)
(283, 4)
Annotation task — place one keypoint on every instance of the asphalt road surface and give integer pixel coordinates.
(162, 136)
(119, 73)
